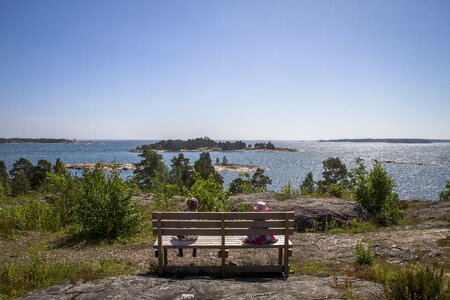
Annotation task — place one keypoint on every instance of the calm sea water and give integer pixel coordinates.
(413, 181)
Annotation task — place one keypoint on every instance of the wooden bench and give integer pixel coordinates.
(222, 231)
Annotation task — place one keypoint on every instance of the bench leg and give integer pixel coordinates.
(165, 257)
(280, 256)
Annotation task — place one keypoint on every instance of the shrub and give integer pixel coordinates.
(287, 192)
(363, 254)
(209, 193)
(63, 192)
(20, 184)
(377, 196)
(445, 194)
(105, 206)
(419, 282)
(164, 196)
(36, 214)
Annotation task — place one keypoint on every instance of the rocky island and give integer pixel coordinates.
(131, 166)
(34, 141)
(206, 144)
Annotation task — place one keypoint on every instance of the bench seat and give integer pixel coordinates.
(214, 242)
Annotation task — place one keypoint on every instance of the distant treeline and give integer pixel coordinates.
(29, 140)
(194, 144)
(404, 141)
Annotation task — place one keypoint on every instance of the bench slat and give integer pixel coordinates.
(218, 231)
(214, 242)
(217, 224)
(227, 215)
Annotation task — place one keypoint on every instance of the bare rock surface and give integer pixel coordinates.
(308, 211)
(149, 287)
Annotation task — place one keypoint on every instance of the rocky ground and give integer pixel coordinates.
(322, 263)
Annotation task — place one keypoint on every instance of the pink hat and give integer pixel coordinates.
(261, 206)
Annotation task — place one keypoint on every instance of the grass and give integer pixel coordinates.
(19, 279)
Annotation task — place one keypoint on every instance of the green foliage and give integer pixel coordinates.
(5, 181)
(260, 181)
(224, 160)
(36, 214)
(59, 168)
(204, 167)
(337, 190)
(63, 191)
(209, 193)
(24, 166)
(164, 197)
(40, 172)
(17, 280)
(445, 194)
(287, 192)
(105, 207)
(419, 282)
(377, 196)
(244, 184)
(194, 144)
(307, 186)
(20, 184)
(151, 170)
(363, 254)
(181, 172)
(334, 172)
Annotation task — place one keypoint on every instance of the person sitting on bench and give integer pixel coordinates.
(192, 205)
(260, 239)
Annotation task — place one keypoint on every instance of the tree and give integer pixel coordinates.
(334, 173)
(260, 181)
(5, 181)
(181, 172)
(24, 166)
(224, 161)
(378, 197)
(40, 172)
(307, 186)
(59, 167)
(20, 184)
(151, 170)
(106, 209)
(205, 168)
(209, 193)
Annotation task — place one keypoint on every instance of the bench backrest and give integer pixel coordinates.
(223, 223)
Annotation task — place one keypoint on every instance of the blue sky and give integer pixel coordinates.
(225, 69)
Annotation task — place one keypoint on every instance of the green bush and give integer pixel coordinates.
(287, 192)
(376, 194)
(63, 192)
(36, 214)
(419, 282)
(363, 254)
(164, 196)
(209, 193)
(308, 186)
(105, 207)
(445, 194)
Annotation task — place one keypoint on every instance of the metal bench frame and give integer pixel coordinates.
(223, 231)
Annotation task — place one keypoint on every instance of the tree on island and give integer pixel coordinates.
(334, 175)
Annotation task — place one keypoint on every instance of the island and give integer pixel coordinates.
(34, 141)
(130, 166)
(392, 140)
(206, 144)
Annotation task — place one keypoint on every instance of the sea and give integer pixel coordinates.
(420, 171)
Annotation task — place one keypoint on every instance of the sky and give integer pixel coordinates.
(275, 70)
